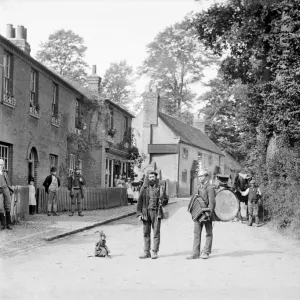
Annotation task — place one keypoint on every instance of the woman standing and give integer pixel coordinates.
(32, 199)
(129, 191)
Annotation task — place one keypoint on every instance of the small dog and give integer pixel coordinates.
(101, 250)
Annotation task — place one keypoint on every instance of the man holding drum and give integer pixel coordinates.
(207, 193)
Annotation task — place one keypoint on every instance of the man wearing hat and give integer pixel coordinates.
(149, 212)
(6, 190)
(207, 192)
(51, 184)
(254, 194)
(75, 186)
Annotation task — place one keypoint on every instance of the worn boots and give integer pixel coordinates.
(250, 221)
(5, 225)
(145, 255)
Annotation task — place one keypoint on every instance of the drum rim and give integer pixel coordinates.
(237, 201)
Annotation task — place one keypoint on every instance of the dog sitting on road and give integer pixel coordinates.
(101, 250)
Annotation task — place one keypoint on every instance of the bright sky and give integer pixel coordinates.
(112, 30)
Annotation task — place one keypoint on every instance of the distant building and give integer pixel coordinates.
(175, 147)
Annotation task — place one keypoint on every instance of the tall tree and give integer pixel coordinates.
(176, 61)
(118, 83)
(64, 52)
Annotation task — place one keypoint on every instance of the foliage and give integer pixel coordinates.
(111, 132)
(176, 61)
(118, 83)
(64, 52)
(261, 40)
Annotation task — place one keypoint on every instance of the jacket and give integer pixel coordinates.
(71, 182)
(48, 182)
(208, 194)
(11, 190)
(143, 201)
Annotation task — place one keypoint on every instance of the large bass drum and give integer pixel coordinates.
(227, 205)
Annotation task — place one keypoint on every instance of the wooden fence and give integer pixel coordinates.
(95, 198)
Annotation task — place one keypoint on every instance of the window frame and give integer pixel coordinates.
(111, 119)
(7, 73)
(72, 164)
(55, 157)
(185, 153)
(33, 87)
(54, 104)
(184, 176)
(6, 159)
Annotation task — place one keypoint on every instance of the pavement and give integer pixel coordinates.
(246, 263)
(37, 230)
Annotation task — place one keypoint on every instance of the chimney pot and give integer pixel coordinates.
(25, 34)
(20, 32)
(94, 69)
(9, 31)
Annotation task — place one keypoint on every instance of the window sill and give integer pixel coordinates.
(55, 121)
(34, 112)
(9, 101)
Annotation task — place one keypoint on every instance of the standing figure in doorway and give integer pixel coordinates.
(51, 184)
(32, 199)
(119, 182)
(6, 190)
(76, 185)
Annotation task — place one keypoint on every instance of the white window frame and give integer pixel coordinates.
(4, 154)
(184, 172)
(72, 164)
(33, 76)
(110, 119)
(6, 65)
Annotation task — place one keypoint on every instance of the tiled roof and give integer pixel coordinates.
(190, 135)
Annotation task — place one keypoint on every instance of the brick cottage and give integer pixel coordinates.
(40, 111)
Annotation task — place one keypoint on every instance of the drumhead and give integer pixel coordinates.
(227, 205)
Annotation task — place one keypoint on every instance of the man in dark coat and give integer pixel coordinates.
(207, 192)
(76, 184)
(149, 211)
(51, 184)
(6, 190)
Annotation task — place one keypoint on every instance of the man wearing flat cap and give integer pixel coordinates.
(51, 184)
(254, 194)
(75, 186)
(207, 194)
(150, 202)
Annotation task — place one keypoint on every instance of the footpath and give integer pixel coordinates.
(40, 229)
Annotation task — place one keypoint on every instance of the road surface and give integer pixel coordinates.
(246, 263)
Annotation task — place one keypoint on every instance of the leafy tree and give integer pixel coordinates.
(176, 61)
(118, 83)
(64, 52)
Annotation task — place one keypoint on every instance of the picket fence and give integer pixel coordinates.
(94, 198)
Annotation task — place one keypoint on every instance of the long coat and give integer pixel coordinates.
(143, 201)
(48, 182)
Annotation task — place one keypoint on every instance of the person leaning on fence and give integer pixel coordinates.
(76, 185)
(207, 193)
(6, 190)
(149, 210)
(254, 194)
(51, 184)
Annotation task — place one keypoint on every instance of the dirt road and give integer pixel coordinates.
(246, 263)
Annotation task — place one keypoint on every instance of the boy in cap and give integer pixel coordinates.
(75, 186)
(207, 192)
(6, 190)
(51, 184)
(254, 194)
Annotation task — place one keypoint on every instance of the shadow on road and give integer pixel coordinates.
(242, 253)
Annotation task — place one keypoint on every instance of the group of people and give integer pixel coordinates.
(76, 186)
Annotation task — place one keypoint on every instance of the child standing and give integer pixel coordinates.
(32, 199)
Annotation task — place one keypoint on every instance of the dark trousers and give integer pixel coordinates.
(78, 196)
(6, 198)
(197, 237)
(153, 222)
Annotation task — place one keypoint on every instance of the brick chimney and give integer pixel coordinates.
(19, 37)
(94, 80)
(151, 105)
(199, 122)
